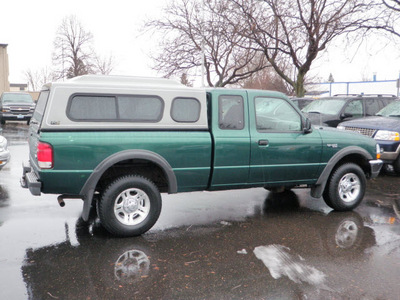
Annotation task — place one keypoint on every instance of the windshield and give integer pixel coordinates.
(17, 98)
(325, 106)
(392, 110)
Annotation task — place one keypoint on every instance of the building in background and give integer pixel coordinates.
(18, 87)
(4, 70)
(5, 85)
(378, 87)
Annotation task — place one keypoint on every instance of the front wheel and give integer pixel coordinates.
(396, 166)
(345, 188)
(129, 206)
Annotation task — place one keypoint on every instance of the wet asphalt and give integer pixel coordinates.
(240, 244)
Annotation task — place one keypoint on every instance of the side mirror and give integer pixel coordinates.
(346, 115)
(307, 126)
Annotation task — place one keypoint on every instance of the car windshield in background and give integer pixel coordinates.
(302, 102)
(325, 106)
(17, 98)
(392, 110)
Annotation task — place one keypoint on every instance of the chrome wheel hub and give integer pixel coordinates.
(132, 206)
(349, 187)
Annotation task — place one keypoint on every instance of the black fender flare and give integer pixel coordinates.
(318, 188)
(88, 189)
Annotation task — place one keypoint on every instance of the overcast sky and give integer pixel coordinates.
(29, 28)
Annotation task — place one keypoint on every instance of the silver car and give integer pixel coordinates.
(4, 153)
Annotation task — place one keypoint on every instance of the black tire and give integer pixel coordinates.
(2, 121)
(345, 188)
(396, 166)
(129, 206)
(387, 169)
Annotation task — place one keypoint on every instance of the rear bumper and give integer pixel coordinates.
(30, 180)
(376, 166)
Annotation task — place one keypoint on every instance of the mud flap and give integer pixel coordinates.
(87, 205)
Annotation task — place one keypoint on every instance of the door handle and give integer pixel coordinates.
(263, 142)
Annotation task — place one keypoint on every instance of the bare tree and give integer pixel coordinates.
(104, 65)
(392, 16)
(295, 32)
(36, 79)
(392, 4)
(266, 79)
(73, 53)
(191, 28)
(185, 80)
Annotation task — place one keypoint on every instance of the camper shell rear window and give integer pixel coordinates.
(41, 105)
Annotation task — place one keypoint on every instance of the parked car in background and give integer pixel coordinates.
(16, 106)
(384, 127)
(302, 102)
(330, 111)
(4, 152)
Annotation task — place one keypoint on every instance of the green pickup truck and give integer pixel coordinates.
(118, 142)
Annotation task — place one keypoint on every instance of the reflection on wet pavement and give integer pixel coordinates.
(280, 262)
(3, 197)
(15, 133)
(202, 262)
(244, 244)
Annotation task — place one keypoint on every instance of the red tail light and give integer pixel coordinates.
(45, 155)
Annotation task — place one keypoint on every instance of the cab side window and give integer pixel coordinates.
(274, 114)
(372, 106)
(231, 112)
(354, 108)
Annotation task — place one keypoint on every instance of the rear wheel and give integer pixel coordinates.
(345, 188)
(129, 206)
